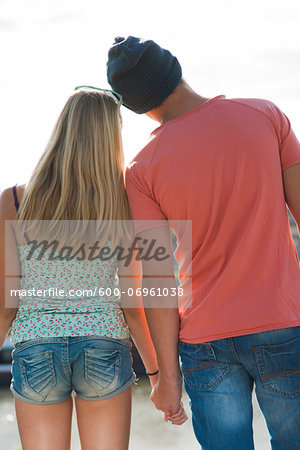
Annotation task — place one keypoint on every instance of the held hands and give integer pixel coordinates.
(179, 418)
(166, 395)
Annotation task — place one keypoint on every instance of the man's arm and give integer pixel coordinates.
(161, 311)
(163, 320)
(291, 181)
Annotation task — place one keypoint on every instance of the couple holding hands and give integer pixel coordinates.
(229, 167)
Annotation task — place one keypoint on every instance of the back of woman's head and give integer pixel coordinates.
(80, 175)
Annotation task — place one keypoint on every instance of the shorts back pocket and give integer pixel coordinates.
(102, 369)
(38, 373)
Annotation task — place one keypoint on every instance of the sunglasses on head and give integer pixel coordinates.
(116, 95)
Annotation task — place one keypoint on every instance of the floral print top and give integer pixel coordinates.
(72, 297)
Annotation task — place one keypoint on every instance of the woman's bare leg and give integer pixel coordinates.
(104, 424)
(44, 427)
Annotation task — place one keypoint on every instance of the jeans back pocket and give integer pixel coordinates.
(199, 366)
(279, 367)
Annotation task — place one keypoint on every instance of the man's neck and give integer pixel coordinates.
(182, 100)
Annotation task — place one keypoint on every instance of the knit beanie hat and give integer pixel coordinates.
(142, 72)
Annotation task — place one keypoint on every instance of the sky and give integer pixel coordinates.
(232, 47)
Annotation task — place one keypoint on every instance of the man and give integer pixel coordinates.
(230, 166)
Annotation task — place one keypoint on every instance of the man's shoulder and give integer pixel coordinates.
(261, 105)
(267, 109)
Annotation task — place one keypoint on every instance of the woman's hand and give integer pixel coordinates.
(180, 417)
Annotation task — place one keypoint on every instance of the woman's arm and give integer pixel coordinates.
(132, 305)
(137, 324)
(8, 254)
(5, 325)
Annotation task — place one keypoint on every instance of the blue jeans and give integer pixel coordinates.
(46, 370)
(219, 377)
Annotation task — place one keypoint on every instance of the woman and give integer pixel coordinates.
(66, 345)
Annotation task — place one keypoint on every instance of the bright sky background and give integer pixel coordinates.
(234, 47)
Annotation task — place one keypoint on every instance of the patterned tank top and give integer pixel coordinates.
(73, 298)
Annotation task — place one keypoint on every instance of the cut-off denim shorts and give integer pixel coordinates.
(46, 370)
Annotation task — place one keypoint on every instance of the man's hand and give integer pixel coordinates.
(166, 395)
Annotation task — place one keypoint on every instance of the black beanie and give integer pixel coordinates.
(142, 72)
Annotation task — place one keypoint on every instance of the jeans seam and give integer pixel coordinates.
(124, 342)
(20, 346)
(233, 349)
(66, 357)
(210, 351)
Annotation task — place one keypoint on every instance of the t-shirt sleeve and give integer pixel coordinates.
(146, 212)
(289, 145)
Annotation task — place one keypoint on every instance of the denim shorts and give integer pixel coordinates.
(46, 370)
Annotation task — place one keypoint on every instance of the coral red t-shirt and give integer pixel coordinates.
(220, 166)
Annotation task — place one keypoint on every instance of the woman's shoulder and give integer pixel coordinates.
(8, 201)
(7, 193)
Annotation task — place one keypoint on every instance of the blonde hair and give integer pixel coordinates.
(80, 175)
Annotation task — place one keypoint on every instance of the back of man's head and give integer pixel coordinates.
(143, 72)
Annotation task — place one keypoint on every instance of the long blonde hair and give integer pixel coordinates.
(80, 175)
